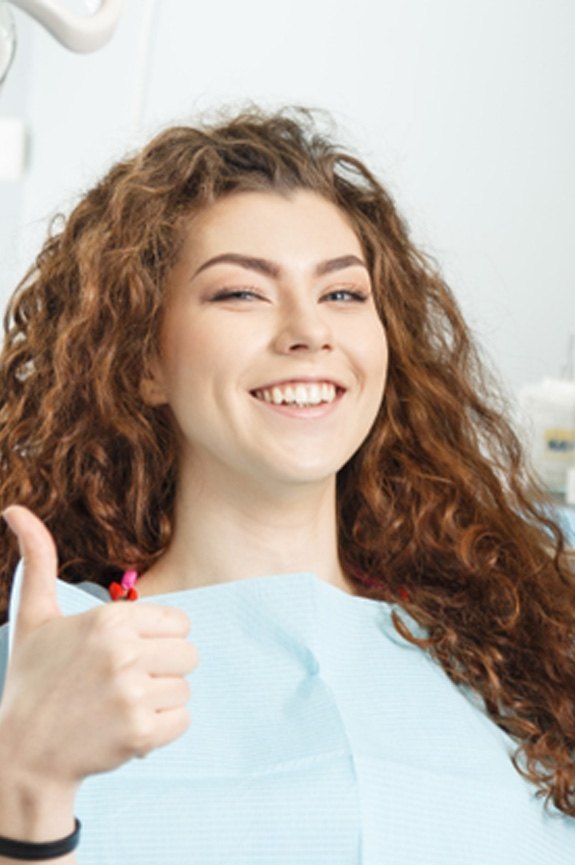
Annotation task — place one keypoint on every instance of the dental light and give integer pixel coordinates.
(82, 33)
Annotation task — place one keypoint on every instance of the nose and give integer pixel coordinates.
(302, 327)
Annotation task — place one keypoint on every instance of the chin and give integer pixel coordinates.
(302, 474)
(316, 465)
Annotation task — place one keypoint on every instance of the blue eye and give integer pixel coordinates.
(346, 295)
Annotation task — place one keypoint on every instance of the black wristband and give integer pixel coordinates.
(28, 852)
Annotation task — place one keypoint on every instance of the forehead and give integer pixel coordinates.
(300, 224)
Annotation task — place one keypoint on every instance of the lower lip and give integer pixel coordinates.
(299, 412)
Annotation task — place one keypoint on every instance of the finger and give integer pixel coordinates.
(155, 620)
(167, 726)
(38, 599)
(166, 693)
(168, 657)
(171, 724)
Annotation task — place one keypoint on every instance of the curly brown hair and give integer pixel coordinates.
(437, 511)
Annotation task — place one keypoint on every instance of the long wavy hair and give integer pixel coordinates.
(437, 511)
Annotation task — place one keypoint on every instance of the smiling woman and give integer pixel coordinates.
(233, 387)
(249, 345)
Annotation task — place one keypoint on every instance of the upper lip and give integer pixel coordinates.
(295, 379)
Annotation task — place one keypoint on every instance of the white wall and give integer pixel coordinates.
(465, 107)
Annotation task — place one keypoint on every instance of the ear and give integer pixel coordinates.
(152, 388)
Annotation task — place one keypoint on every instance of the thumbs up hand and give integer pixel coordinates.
(85, 693)
(39, 603)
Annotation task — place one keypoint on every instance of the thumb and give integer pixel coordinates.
(38, 599)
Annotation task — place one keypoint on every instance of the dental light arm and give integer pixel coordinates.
(77, 32)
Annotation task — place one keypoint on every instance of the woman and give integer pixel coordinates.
(231, 373)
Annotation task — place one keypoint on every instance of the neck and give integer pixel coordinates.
(225, 532)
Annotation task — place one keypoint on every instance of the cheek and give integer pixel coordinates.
(200, 365)
(184, 351)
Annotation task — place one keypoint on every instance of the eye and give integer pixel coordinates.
(242, 294)
(346, 295)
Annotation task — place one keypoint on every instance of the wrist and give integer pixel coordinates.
(26, 851)
(34, 809)
(33, 804)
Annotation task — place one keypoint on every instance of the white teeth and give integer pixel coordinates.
(301, 394)
(315, 394)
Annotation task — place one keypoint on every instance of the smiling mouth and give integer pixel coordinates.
(299, 394)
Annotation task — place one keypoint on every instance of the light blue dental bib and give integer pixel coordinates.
(318, 737)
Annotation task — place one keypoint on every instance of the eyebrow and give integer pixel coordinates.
(270, 268)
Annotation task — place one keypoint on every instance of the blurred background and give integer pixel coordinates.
(465, 109)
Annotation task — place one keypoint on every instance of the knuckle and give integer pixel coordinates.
(106, 620)
(118, 657)
(141, 733)
(109, 639)
(129, 696)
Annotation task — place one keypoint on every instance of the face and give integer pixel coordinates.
(272, 355)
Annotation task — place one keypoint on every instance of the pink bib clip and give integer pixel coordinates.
(125, 590)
